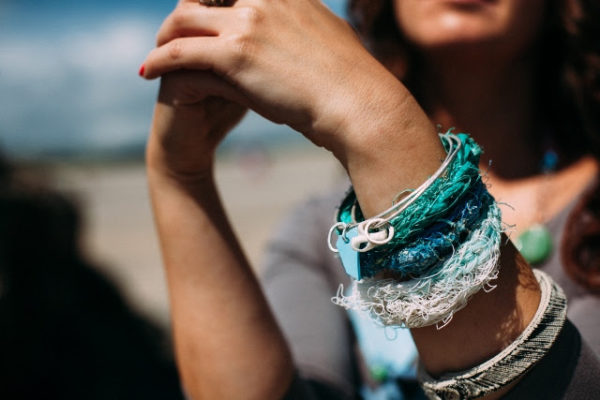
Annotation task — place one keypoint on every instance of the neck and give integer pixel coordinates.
(496, 104)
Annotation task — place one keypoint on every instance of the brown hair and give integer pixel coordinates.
(569, 97)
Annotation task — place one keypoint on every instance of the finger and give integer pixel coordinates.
(186, 87)
(191, 19)
(196, 53)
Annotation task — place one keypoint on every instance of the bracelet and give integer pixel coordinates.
(442, 242)
(432, 299)
(435, 244)
(399, 221)
(406, 220)
(514, 361)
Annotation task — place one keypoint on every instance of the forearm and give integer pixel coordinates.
(382, 137)
(487, 325)
(490, 321)
(227, 342)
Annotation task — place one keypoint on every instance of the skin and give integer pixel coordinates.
(271, 56)
(475, 48)
(492, 30)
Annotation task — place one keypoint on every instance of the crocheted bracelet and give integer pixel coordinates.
(432, 299)
(420, 208)
(441, 242)
(407, 219)
(435, 244)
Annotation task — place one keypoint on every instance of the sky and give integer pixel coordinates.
(68, 77)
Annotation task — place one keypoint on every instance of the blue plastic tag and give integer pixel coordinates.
(347, 254)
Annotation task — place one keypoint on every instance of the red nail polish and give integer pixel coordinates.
(142, 69)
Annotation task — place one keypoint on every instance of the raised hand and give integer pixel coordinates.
(293, 61)
(191, 117)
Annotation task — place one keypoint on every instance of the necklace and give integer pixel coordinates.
(535, 243)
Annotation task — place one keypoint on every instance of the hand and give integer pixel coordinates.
(190, 119)
(295, 62)
(292, 61)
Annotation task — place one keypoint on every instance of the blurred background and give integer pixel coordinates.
(73, 109)
(83, 301)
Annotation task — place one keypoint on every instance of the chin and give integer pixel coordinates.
(451, 29)
(511, 25)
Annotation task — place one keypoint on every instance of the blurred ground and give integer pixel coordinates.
(257, 187)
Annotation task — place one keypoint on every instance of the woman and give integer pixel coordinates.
(472, 64)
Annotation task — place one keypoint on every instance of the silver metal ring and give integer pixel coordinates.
(330, 235)
(379, 224)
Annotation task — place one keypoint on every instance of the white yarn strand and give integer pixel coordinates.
(435, 298)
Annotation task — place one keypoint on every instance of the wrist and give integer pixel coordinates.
(367, 103)
(382, 137)
(180, 145)
(165, 166)
(489, 322)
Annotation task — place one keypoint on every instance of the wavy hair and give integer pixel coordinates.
(569, 98)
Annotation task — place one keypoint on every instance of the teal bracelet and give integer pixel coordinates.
(432, 299)
(436, 199)
(419, 210)
(435, 244)
(434, 294)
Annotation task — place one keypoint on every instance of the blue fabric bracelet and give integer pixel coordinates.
(435, 244)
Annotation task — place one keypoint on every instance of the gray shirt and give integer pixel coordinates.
(301, 275)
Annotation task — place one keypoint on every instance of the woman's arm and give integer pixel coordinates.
(227, 343)
(296, 63)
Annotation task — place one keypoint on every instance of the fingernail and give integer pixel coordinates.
(142, 70)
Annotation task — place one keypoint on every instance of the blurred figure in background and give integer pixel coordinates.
(65, 330)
